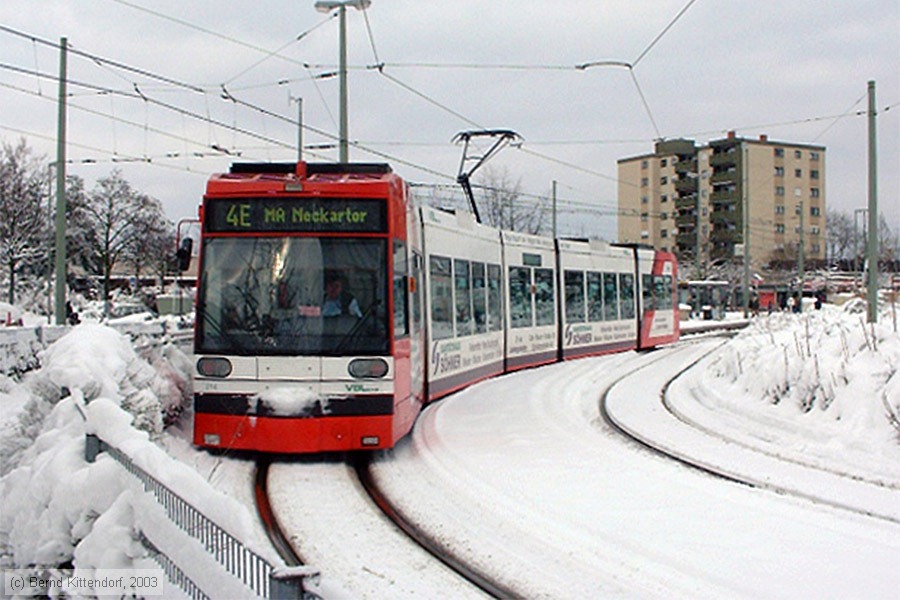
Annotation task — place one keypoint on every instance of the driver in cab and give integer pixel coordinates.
(338, 301)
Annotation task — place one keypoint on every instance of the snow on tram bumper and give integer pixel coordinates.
(293, 404)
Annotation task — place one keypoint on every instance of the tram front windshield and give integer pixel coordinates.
(293, 296)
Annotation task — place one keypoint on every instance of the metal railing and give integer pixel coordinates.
(173, 572)
(254, 571)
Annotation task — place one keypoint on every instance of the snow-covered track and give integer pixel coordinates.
(678, 433)
(480, 580)
(267, 516)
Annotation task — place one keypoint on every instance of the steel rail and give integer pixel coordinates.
(273, 529)
(712, 470)
(361, 463)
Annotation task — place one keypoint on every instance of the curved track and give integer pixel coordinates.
(824, 492)
(361, 463)
(270, 523)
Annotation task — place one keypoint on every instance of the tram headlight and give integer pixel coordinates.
(214, 366)
(368, 368)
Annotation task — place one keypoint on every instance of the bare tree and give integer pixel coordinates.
(839, 236)
(23, 219)
(153, 238)
(502, 204)
(112, 214)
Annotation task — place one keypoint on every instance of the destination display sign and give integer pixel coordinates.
(315, 215)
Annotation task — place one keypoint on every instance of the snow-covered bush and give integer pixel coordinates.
(831, 361)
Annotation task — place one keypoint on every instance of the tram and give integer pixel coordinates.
(330, 309)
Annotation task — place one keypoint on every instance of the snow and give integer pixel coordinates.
(522, 474)
(288, 401)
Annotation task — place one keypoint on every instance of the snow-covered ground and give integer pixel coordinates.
(525, 478)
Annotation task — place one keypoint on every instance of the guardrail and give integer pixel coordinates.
(255, 572)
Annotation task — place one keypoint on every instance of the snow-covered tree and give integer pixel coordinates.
(112, 218)
(153, 241)
(23, 218)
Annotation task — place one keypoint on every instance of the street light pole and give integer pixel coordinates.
(327, 6)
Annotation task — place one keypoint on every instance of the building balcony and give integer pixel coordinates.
(724, 217)
(724, 196)
(723, 159)
(688, 185)
(686, 221)
(725, 176)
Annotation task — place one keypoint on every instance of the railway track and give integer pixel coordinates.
(815, 483)
(360, 465)
(482, 581)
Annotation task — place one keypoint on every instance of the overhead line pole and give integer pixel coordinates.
(60, 296)
(344, 133)
(872, 247)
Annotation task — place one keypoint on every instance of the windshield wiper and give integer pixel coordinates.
(354, 331)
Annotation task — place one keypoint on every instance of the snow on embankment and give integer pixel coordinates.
(823, 385)
(60, 511)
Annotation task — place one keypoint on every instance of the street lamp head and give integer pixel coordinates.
(326, 6)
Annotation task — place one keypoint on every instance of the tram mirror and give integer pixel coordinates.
(183, 254)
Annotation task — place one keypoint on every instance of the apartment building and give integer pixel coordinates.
(691, 199)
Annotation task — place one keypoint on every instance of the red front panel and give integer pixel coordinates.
(287, 435)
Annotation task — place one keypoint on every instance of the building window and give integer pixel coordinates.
(664, 233)
(645, 200)
(779, 228)
(644, 216)
(798, 172)
(645, 235)
(813, 156)
(779, 151)
(798, 192)
(779, 209)
(643, 164)
(779, 171)
(779, 190)
(814, 230)
(798, 154)
(663, 163)
(814, 248)
(664, 198)
(663, 216)
(815, 211)
(813, 192)
(663, 180)
(644, 182)
(814, 174)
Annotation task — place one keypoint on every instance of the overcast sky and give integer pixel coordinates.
(787, 69)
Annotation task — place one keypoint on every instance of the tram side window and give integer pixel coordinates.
(441, 298)
(647, 292)
(595, 297)
(545, 297)
(494, 298)
(520, 308)
(463, 279)
(574, 281)
(610, 297)
(479, 297)
(662, 290)
(626, 295)
(401, 297)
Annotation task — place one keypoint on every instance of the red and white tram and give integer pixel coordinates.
(329, 309)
